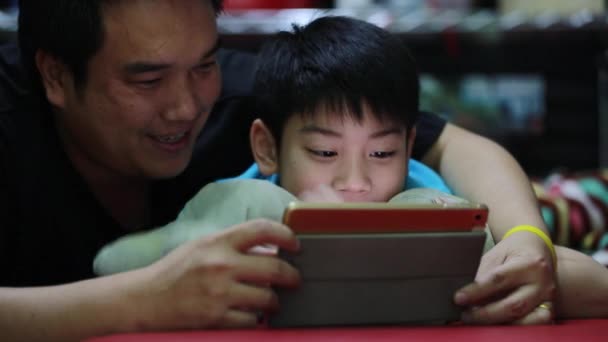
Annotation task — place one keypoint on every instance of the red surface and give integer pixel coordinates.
(380, 219)
(268, 4)
(576, 330)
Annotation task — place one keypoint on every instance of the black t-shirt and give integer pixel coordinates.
(51, 225)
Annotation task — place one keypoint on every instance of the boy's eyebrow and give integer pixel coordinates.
(143, 67)
(325, 131)
(308, 129)
(388, 131)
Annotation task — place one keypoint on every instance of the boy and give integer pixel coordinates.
(326, 132)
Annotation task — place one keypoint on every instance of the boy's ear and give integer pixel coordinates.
(411, 136)
(53, 74)
(264, 148)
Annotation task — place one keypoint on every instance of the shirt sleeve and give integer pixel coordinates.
(7, 206)
(428, 130)
(238, 71)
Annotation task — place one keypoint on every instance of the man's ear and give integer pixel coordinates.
(53, 74)
(263, 147)
(411, 137)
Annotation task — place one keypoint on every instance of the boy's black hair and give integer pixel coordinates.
(71, 30)
(335, 63)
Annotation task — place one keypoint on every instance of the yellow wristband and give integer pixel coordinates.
(537, 232)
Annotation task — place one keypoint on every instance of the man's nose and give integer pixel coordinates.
(186, 102)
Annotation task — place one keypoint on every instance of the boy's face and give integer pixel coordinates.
(361, 161)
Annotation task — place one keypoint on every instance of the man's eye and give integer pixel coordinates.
(322, 153)
(148, 83)
(382, 154)
(207, 66)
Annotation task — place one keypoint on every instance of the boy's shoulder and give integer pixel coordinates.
(253, 172)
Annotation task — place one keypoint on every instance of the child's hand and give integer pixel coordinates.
(515, 284)
(322, 193)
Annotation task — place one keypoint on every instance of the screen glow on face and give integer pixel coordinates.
(364, 161)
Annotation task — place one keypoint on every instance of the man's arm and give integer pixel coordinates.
(67, 312)
(479, 169)
(209, 282)
(521, 265)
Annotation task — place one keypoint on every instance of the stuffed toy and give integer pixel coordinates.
(218, 206)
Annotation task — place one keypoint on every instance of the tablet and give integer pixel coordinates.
(325, 218)
(379, 263)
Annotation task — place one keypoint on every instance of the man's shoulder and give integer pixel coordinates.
(238, 68)
(23, 119)
(13, 80)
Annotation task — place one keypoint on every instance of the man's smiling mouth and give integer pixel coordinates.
(169, 139)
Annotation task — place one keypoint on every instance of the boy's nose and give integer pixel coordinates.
(353, 180)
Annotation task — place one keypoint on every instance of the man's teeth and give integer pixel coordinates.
(169, 139)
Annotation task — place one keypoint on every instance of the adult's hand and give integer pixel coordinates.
(513, 280)
(215, 281)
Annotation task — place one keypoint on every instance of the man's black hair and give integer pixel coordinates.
(339, 64)
(71, 30)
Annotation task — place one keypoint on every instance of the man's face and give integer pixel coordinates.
(149, 90)
(362, 161)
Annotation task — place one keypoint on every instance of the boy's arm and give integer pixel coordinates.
(482, 171)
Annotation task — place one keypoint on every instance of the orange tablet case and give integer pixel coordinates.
(335, 218)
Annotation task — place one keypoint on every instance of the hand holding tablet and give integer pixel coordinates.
(380, 263)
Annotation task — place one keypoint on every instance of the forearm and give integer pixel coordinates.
(482, 171)
(582, 285)
(66, 312)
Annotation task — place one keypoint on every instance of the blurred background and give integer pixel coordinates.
(532, 75)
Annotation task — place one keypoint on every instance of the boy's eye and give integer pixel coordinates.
(382, 154)
(322, 153)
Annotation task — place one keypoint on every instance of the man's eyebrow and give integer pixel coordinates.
(386, 132)
(314, 129)
(214, 48)
(143, 67)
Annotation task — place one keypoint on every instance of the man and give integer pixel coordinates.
(109, 143)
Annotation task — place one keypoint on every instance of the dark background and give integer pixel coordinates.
(568, 59)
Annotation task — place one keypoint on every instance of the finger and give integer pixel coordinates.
(260, 269)
(239, 319)
(489, 286)
(260, 232)
(516, 305)
(253, 297)
(489, 261)
(263, 250)
(542, 314)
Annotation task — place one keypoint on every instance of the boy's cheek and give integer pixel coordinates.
(305, 179)
(321, 193)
